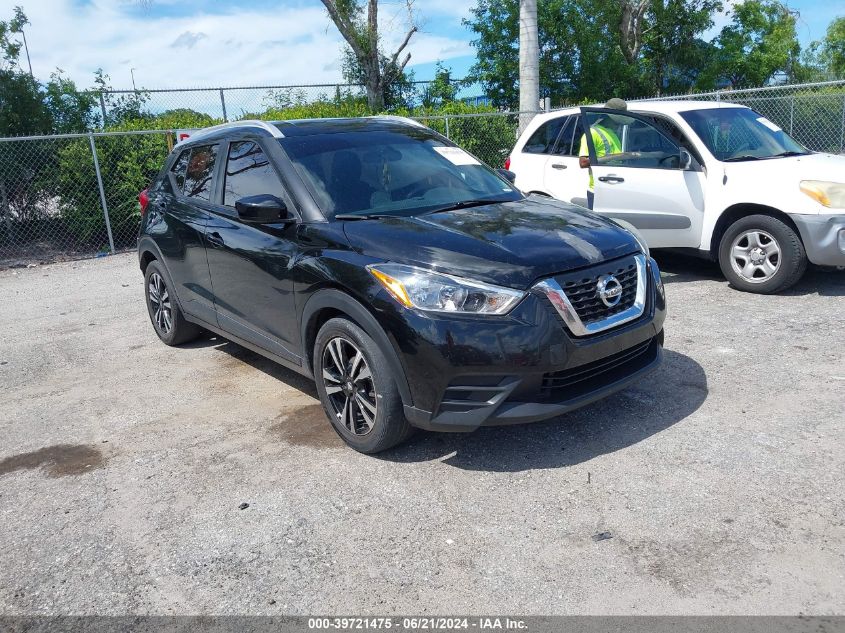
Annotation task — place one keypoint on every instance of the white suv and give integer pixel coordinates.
(715, 179)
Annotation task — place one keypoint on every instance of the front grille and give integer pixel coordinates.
(582, 292)
(569, 383)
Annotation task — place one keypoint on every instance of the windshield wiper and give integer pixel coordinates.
(790, 153)
(464, 204)
(363, 216)
(733, 159)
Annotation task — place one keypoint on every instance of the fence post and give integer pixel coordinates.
(103, 109)
(791, 113)
(842, 130)
(102, 190)
(447, 125)
(223, 105)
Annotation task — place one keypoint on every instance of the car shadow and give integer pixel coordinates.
(677, 268)
(259, 362)
(666, 397)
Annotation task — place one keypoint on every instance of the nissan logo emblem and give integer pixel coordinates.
(609, 290)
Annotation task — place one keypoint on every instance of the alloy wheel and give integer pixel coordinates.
(755, 256)
(349, 385)
(160, 304)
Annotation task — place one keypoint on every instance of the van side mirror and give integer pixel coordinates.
(262, 209)
(686, 159)
(507, 175)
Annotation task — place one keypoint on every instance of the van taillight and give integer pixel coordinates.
(144, 199)
(508, 162)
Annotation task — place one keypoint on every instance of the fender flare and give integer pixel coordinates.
(148, 244)
(337, 300)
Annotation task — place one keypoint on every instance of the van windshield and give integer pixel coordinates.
(738, 134)
(399, 171)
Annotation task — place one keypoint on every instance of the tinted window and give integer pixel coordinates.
(177, 172)
(249, 173)
(394, 171)
(200, 172)
(543, 139)
(567, 144)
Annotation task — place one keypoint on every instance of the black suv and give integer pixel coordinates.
(417, 286)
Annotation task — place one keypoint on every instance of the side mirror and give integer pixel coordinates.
(262, 209)
(507, 175)
(686, 159)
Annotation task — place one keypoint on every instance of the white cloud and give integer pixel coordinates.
(243, 47)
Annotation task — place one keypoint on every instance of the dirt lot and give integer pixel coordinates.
(123, 464)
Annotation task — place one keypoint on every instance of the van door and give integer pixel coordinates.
(651, 183)
(529, 164)
(563, 177)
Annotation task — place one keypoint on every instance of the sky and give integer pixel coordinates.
(201, 43)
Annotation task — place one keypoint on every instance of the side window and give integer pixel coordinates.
(570, 137)
(626, 141)
(544, 137)
(249, 173)
(177, 172)
(200, 171)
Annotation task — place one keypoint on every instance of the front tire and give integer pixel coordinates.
(761, 254)
(168, 321)
(356, 389)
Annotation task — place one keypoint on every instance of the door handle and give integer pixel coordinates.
(558, 166)
(214, 238)
(611, 178)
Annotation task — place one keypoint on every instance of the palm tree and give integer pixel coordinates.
(529, 62)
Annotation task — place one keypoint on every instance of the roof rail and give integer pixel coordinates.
(401, 119)
(272, 129)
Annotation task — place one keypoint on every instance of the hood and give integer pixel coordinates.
(792, 169)
(510, 244)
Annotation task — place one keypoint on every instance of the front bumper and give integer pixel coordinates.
(468, 372)
(823, 237)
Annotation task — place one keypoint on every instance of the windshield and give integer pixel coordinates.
(740, 134)
(397, 171)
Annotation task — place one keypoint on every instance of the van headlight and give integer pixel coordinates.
(436, 292)
(828, 194)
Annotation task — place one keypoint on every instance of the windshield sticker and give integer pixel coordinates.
(773, 127)
(456, 156)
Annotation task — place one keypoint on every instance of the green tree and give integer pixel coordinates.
(70, 110)
(759, 42)
(580, 56)
(442, 89)
(832, 49)
(672, 53)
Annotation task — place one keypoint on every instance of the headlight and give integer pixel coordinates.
(828, 194)
(436, 292)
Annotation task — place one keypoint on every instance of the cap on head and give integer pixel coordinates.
(616, 104)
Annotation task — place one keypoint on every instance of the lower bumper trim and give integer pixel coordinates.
(525, 412)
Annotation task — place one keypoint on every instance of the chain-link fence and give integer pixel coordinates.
(232, 103)
(813, 114)
(76, 195)
(69, 196)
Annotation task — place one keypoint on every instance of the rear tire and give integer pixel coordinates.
(356, 389)
(761, 254)
(168, 321)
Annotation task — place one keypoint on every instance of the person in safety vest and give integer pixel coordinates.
(605, 140)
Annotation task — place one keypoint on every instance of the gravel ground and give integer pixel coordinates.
(123, 465)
